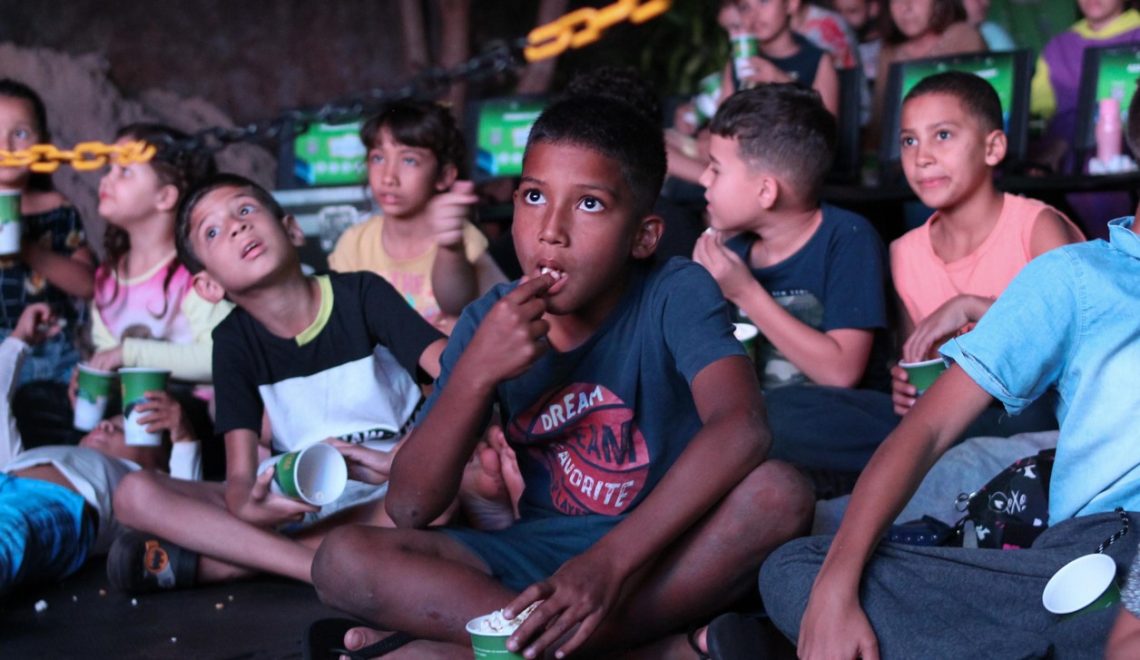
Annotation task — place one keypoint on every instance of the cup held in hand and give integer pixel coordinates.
(490, 645)
(316, 474)
(923, 374)
(1086, 584)
(92, 392)
(136, 382)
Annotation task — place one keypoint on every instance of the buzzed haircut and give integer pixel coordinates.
(195, 195)
(619, 83)
(783, 128)
(614, 129)
(976, 95)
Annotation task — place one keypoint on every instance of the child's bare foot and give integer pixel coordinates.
(492, 484)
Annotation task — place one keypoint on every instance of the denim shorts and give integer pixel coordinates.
(532, 549)
(46, 531)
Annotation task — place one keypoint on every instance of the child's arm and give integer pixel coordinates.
(1050, 231)
(453, 277)
(733, 440)
(427, 471)
(74, 274)
(834, 624)
(827, 84)
(836, 357)
(190, 362)
(162, 412)
(247, 493)
(36, 323)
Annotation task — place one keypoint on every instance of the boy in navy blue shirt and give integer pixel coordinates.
(810, 276)
(635, 415)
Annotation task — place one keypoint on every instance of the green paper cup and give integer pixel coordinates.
(746, 334)
(923, 374)
(316, 474)
(136, 382)
(1086, 584)
(10, 225)
(91, 396)
(489, 644)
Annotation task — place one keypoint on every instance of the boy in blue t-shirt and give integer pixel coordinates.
(811, 277)
(635, 415)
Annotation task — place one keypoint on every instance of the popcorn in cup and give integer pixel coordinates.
(746, 334)
(316, 474)
(94, 388)
(1086, 584)
(489, 633)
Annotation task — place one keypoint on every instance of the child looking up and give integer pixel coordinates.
(950, 270)
(635, 415)
(424, 242)
(334, 355)
(54, 265)
(786, 56)
(55, 500)
(810, 276)
(146, 311)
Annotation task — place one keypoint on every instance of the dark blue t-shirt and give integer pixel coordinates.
(836, 280)
(597, 427)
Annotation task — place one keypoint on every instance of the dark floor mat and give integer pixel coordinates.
(263, 618)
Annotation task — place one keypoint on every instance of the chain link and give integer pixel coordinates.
(576, 29)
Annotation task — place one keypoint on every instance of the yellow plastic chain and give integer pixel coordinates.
(578, 28)
(585, 26)
(46, 158)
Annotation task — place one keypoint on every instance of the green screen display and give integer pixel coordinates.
(996, 69)
(329, 155)
(504, 126)
(1116, 78)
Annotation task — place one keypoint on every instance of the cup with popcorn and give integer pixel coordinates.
(489, 633)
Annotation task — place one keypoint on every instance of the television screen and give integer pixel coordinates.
(1106, 72)
(497, 130)
(1007, 72)
(329, 155)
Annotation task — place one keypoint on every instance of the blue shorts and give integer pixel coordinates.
(46, 531)
(532, 549)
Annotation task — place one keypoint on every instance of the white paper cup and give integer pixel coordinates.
(92, 392)
(135, 383)
(1086, 584)
(316, 474)
(10, 223)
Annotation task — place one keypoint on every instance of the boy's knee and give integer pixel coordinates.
(779, 492)
(131, 496)
(341, 571)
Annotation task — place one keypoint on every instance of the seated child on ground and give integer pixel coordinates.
(329, 356)
(55, 501)
(1057, 326)
(636, 418)
(423, 243)
(810, 276)
(948, 271)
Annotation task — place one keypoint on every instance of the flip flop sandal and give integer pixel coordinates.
(324, 640)
(735, 636)
(691, 638)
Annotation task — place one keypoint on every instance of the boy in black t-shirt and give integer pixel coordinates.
(810, 276)
(635, 415)
(322, 357)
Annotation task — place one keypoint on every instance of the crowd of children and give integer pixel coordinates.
(590, 443)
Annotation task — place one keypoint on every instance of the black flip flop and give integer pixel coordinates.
(324, 640)
(736, 636)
